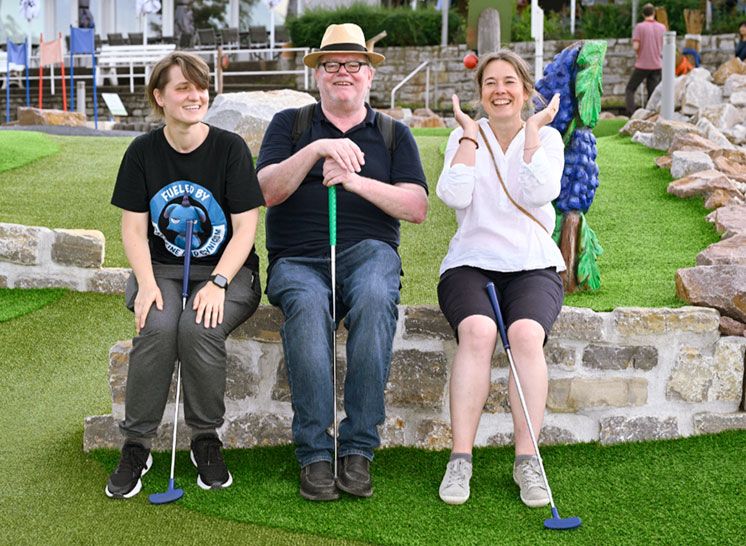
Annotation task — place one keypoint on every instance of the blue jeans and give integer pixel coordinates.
(367, 296)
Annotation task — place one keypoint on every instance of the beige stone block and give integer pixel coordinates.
(21, 244)
(433, 434)
(579, 324)
(613, 430)
(78, 247)
(417, 379)
(498, 400)
(691, 376)
(119, 358)
(46, 281)
(640, 321)
(728, 368)
(393, 431)
(101, 432)
(109, 281)
(570, 395)
(713, 423)
(3, 281)
(242, 379)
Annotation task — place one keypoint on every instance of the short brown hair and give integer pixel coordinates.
(195, 70)
(513, 59)
(648, 10)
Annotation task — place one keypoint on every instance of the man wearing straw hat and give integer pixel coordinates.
(379, 181)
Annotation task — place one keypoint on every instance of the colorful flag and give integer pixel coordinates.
(50, 52)
(81, 40)
(17, 53)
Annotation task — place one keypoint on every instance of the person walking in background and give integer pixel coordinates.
(184, 171)
(379, 182)
(647, 41)
(741, 45)
(500, 175)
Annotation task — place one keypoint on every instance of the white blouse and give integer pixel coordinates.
(492, 233)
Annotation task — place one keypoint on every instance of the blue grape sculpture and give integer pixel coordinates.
(576, 73)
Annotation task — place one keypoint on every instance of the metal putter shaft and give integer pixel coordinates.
(333, 249)
(172, 494)
(555, 522)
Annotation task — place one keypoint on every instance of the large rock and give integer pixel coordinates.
(685, 163)
(691, 142)
(35, 116)
(636, 125)
(666, 130)
(738, 99)
(700, 183)
(700, 93)
(722, 116)
(723, 198)
(728, 251)
(712, 133)
(249, 113)
(734, 84)
(613, 430)
(729, 221)
(722, 287)
(727, 69)
(731, 162)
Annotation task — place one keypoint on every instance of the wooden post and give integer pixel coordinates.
(569, 240)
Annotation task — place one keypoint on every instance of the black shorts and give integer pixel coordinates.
(536, 294)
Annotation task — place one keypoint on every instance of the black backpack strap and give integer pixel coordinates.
(387, 126)
(303, 117)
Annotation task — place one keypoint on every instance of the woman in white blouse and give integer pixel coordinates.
(500, 175)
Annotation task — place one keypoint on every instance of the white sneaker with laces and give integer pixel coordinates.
(527, 476)
(454, 489)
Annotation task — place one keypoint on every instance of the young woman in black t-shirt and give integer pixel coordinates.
(185, 170)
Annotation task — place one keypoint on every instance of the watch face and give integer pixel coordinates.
(220, 281)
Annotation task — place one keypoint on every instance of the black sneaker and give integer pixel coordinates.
(354, 476)
(207, 457)
(317, 482)
(124, 482)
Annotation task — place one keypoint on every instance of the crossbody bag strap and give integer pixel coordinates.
(500, 178)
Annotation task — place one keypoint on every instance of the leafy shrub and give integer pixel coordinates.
(404, 26)
(606, 21)
(521, 28)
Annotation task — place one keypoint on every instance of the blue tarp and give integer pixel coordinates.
(16, 55)
(82, 43)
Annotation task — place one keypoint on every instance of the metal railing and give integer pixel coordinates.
(425, 64)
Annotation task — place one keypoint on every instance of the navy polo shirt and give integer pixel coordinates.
(299, 226)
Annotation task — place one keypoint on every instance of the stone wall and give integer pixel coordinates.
(39, 257)
(630, 374)
(448, 75)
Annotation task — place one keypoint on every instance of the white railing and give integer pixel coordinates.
(425, 64)
(105, 63)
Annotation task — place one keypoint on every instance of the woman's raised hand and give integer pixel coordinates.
(545, 117)
(470, 127)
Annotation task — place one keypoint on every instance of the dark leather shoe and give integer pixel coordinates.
(317, 482)
(354, 476)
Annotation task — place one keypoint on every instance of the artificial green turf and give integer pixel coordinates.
(18, 148)
(646, 233)
(54, 373)
(17, 302)
(686, 491)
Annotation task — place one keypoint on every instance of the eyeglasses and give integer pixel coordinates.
(352, 67)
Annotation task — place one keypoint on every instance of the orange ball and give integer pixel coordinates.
(471, 60)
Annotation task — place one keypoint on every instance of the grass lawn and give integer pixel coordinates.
(53, 373)
(23, 147)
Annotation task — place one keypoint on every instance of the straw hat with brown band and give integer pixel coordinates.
(345, 38)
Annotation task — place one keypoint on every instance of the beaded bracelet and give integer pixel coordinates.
(469, 139)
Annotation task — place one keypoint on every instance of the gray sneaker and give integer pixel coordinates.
(454, 489)
(527, 476)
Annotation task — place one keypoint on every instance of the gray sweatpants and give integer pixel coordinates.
(170, 334)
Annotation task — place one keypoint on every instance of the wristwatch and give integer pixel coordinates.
(219, 281)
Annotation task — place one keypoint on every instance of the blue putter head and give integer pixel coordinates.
(167, 496)
(557, 523)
